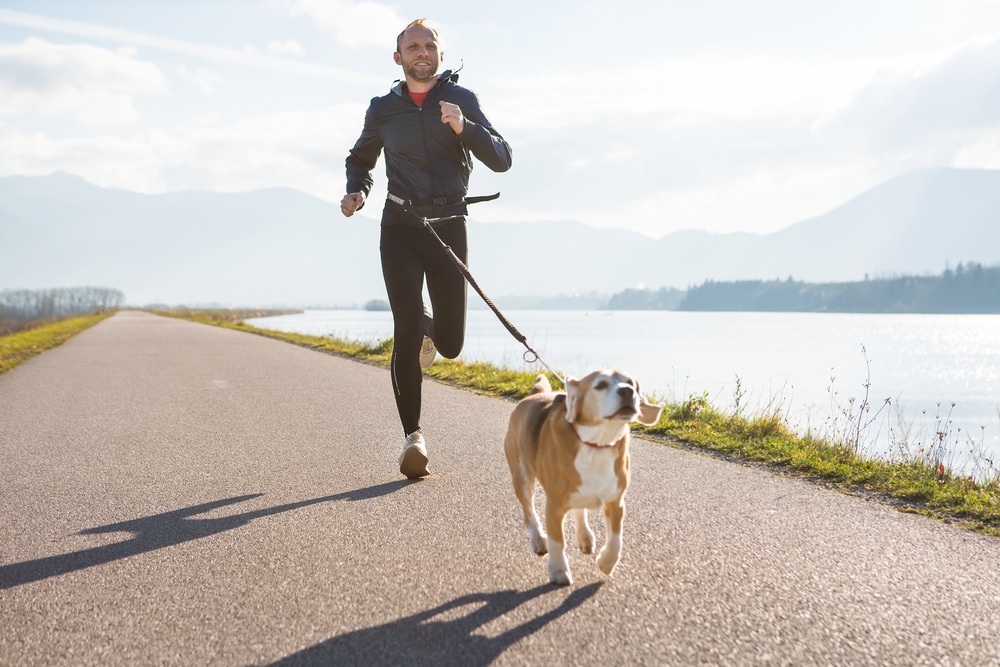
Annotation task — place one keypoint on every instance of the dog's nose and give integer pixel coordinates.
(626, 392)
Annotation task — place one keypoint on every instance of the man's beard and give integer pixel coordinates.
(422, 73)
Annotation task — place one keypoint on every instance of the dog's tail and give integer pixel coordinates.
(542, 385)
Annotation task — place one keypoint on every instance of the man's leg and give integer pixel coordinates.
(403, 272)
(447, 289)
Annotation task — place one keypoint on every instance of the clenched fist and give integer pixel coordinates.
(452, 114)
(351, 203)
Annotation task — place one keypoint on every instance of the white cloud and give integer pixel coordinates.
(107, 159)
(981, 152)
(287, 47)
(763, 198)
(204, 51)
(301, 150)
(933, 109)
(91, 84)
(199, 77)
(354, 23)
(722, 144)
(682, 122)
(681, 92)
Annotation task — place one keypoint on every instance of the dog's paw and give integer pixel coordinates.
(585, 540)
(538, 540)
(560, 577)
(607, 560)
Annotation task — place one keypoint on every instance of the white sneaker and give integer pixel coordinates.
(413, 459)
(428, 353)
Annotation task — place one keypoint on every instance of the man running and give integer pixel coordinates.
(430, 127)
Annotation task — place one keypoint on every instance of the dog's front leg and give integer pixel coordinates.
(614, 514)
(524, 489)
(584, 535)
(558, 567)
(536, 536)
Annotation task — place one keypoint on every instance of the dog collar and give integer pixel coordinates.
(590, 444)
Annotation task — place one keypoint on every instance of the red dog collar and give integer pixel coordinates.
(590, 444)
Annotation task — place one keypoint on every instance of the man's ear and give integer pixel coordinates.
(396, 58)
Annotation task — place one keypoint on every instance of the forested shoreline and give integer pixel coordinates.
(968, 288)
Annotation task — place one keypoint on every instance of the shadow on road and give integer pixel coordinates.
(437, 636)
(166, 530)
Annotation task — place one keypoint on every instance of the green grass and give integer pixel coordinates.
(763, 439)
(19, 347)
(913, 485)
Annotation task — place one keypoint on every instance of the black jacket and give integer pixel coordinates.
(424, 158)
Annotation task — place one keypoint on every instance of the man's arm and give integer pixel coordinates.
(478, 134)
(360, 163)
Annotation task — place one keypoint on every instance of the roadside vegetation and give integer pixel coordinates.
(28, 309)
(19, 347)
(32, 321)
(918, 479)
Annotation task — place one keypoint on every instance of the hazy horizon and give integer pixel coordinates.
(285, 247)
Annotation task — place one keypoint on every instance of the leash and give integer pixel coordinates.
(529, 356)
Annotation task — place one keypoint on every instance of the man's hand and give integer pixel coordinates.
(351, 203)
(452, 114)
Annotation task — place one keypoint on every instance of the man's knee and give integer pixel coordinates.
(449, 341)
(448, 349)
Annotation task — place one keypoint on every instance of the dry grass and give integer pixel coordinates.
(19, 347)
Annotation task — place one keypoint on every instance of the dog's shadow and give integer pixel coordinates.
(440, 636)
(166, 530)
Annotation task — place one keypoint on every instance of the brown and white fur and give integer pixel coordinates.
(576, 445)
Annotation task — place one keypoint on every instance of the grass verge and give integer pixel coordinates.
(19, 347)
(765, 440)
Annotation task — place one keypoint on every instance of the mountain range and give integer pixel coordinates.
(282, 247)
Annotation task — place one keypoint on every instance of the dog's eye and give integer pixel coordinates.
(601, 385)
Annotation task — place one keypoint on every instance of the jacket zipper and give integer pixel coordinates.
(427, 151)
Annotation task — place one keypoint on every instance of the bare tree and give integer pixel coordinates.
(20, 309)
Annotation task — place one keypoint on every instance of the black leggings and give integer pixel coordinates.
(409, 253)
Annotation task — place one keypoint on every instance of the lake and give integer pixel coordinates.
(940, 372)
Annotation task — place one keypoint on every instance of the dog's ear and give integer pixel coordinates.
(649, 413)
(574, 392)
(542, 385)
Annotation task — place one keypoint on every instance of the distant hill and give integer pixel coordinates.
(268, 247)
(968, 288)
(284, 247)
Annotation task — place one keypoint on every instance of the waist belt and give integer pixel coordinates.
(439, 201)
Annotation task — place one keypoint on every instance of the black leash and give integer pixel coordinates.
(530, 356)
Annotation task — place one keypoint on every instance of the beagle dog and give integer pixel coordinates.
(576, 445)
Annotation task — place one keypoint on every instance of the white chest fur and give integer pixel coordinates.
(597, 472)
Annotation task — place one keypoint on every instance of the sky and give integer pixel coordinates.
(648, 115)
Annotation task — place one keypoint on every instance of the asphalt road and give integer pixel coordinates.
(178, 494)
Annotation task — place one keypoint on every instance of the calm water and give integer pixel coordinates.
(811, 365)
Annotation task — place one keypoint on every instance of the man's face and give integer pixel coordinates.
(418, 54)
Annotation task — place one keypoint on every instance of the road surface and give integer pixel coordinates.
(179, 494)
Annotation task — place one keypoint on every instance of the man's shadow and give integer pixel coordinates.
(421, 640)
(165, 530)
